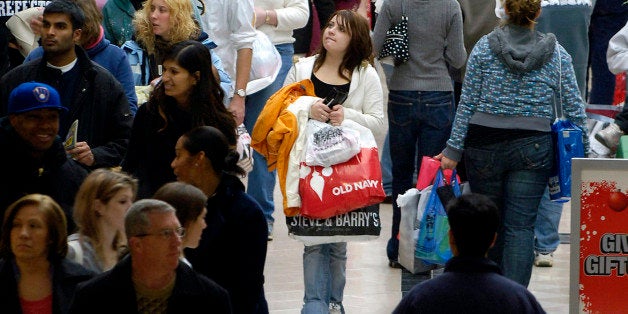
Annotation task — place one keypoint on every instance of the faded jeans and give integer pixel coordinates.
(546, 238)
(324, 276)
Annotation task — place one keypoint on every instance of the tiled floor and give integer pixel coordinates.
(374, 288)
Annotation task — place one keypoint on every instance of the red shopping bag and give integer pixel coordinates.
(340, 188)
(427, 172)
(329, 191)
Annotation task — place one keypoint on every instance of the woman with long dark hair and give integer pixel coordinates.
(187, 96)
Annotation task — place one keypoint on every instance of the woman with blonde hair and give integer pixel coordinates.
(99, 209)
(159, 25)
(35, 276)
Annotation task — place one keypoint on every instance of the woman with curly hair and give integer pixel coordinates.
(187, 96)
(158, 26)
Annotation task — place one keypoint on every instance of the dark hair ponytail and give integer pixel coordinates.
(208, 139)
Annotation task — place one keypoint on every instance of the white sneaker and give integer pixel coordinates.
(609, 136)
(544, 260)
(270, 231)
(335, 308)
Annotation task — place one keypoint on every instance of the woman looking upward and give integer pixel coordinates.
(344, 63)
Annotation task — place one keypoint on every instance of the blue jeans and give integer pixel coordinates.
(324, 276)
(419, 124)
(514, 175)
(608, 17)
(261, 182)
(386, 165)
(546, 226)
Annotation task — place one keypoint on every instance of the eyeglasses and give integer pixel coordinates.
(166, 234)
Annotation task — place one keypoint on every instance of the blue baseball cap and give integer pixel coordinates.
(32, 96)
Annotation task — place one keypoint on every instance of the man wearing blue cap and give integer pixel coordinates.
(33, 159)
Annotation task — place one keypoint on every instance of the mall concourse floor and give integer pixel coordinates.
(374, 288)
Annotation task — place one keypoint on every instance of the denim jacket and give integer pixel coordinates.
(138, 59)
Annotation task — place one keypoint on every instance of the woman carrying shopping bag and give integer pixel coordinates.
(344, 62)
(503, 126)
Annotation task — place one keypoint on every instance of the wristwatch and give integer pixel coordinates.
(241, 92)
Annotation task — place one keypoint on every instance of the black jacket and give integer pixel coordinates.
(55, 174)
(66, 276)
(232, 250)
(113, 292)
(151, 151)
(99, 103)
(469, 285)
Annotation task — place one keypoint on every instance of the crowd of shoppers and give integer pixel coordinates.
(83, 149)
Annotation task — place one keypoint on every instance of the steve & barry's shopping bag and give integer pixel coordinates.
(362, 224)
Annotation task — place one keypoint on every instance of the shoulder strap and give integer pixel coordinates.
(78, 250)
(558, 104)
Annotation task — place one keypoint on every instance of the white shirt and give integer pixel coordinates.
(291, 15)
(229, 23)
(617, 53)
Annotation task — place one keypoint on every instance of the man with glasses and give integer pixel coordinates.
(151, 279)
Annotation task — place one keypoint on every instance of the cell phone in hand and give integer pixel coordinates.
(337, 97)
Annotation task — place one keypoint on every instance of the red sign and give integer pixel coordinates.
(603, 278)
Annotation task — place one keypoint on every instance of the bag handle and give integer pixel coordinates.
(558, 105)
(440, 178)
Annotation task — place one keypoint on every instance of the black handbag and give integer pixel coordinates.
(396, 41)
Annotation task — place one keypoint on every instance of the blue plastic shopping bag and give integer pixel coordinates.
(433, 242)
(567, 145)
